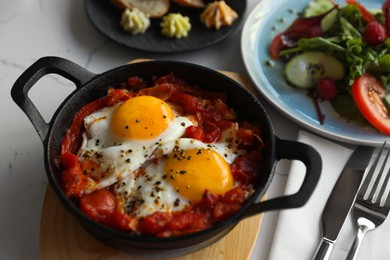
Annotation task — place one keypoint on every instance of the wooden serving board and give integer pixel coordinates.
(62, 237)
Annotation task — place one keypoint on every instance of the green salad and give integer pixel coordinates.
(341, 53)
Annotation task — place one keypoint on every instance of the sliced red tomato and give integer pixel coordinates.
(368, 93)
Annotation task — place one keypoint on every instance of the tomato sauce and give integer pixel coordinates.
(214, 115)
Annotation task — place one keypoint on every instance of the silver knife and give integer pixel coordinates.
(341, 199)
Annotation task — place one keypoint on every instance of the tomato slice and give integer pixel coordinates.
(368, 93)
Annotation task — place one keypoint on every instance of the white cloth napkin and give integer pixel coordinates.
(298, 231)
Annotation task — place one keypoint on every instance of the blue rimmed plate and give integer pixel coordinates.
(267, 19)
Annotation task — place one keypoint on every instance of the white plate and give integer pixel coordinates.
(269, 18)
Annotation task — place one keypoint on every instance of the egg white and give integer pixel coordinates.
(150, 191)
(226, 146)
(119, 157)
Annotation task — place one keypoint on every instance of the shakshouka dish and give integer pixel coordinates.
(161, 158)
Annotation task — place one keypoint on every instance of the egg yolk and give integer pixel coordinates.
(193, 171)
(142, 117)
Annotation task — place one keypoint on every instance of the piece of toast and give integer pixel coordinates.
(190, 3)
(153, 8)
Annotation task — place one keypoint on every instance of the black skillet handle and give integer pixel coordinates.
(293, 150)
(46, 65)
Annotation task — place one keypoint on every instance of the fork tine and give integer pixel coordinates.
(385, 183)
(384, 186)
(367, 213)
(378, 178)
(370, 173)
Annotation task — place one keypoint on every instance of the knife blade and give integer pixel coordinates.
(341, 199)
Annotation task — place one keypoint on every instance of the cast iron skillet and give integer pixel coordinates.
(90, 86)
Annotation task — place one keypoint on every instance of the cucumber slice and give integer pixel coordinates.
(329, 20)
(306, 69)
(318, 7)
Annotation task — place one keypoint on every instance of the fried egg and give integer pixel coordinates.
(119, 139)
(177, 175)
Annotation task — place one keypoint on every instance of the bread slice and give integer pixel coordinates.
(190, 3)
(153, 8)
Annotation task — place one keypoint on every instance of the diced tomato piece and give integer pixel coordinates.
(73, 181)
(190, 103)
(116, 95)
(230, 203)
(211, 132)
(224, 124)
(208, 202)
(224, 210)
(118, 220)
(170, 78)
(194, 132)
(155, 222)
(246, 167)
(69, 160)
(99, 205)
(249, 134)
(187, 220)
(135, 83)
(162, 91)
(224, 110)
(235, 195)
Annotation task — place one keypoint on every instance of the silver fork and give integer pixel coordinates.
(367, 212)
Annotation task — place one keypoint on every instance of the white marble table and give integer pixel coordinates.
(32, 29)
